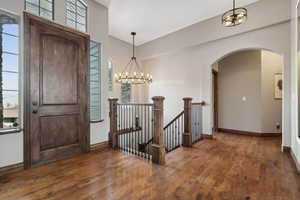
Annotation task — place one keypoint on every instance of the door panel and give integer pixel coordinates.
(52, 137)
(57, 123)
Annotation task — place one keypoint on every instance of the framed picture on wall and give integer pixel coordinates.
(278, 86)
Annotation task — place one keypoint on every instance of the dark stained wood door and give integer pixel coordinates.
(56, 113)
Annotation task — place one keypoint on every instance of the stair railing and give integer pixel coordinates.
(173, 132)
(138, 129)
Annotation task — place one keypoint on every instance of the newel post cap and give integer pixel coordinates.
(158, 98)
(113, 99)
(187, 99)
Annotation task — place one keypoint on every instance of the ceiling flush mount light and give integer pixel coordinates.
(132, 73)
(234, 17)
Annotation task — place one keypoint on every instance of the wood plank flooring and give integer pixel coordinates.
(232, 167)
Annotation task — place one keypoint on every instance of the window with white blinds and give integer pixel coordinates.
(76, 14)
(43, 8)
(95, 81)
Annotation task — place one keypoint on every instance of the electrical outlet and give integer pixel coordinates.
(278, 126)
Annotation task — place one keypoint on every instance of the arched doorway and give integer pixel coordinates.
(270, 121)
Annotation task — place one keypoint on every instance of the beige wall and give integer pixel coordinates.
(272, 63)
(246, 92)
(239, 82)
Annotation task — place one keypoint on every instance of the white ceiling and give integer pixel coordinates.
(152, 19)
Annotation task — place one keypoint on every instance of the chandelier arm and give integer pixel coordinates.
(126, 67)
(138, 66)
(132, 73)
(133, 45)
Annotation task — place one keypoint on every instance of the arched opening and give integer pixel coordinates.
(247, 93)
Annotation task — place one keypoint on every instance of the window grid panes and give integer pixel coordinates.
(43, 8)
(110, 76)
(126, 93)
(95, 81)
(76, 15)
(9, 76)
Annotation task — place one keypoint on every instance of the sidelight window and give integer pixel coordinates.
(43, 8)
(9, 76)
(76, 15)
(95, 81)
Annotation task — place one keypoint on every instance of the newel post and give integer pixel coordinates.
(113, 122)
(158, 148)
(187, 135)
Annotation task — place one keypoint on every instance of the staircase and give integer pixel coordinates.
(137, 128)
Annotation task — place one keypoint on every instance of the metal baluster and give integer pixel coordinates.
(150, 129)
(143, 126)
(135, 133)
(144, 130)
(177, 130)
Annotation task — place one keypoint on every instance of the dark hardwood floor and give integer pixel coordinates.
(231, 167)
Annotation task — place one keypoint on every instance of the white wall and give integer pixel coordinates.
(11, 146)
(294, 42)
(261, 14)
(180, 70)
(120, 53)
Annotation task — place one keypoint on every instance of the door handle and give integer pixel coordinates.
(35, 107)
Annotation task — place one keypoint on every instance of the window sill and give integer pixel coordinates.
(94, 122)
(12, 131)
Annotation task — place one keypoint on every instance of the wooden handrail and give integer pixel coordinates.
(169, 124)
(128, 130)
(199, 103)
(135, 104)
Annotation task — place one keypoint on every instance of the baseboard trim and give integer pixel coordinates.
(206, 136)
(20, 166)
(99, 146)
(286, 149)
(248, 133)
(11, 168)
(295, 161)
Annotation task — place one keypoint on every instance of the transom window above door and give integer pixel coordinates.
(76, 14)
(43, 8)
(9, 75)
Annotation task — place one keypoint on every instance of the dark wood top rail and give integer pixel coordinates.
(199, 103)
(169, 124)
(135, 104)
(127, 130)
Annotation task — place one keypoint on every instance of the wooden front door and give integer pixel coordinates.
(56, 105)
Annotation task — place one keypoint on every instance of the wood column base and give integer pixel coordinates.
(187, 140)
(158, 154)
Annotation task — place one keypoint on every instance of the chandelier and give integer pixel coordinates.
(234, 17)
(132, 73)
